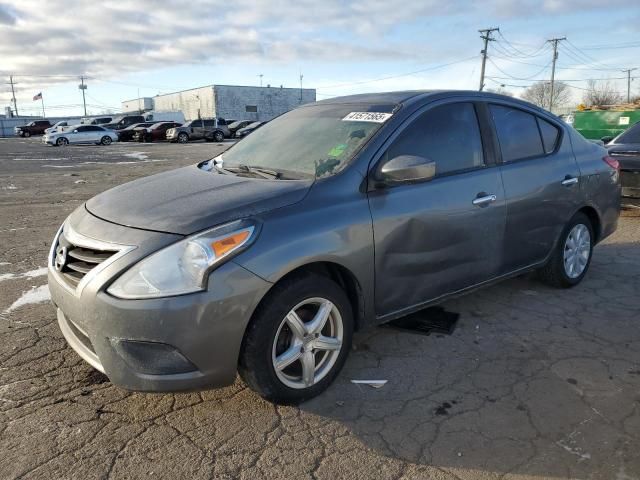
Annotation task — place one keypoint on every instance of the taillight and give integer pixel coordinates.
(612, 162)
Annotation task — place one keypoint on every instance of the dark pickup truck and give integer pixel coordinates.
(37, 127)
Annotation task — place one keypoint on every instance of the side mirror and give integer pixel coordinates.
(606, 140)
(406, 169)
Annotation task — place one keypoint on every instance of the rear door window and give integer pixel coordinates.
(448, 135)
(518, 133)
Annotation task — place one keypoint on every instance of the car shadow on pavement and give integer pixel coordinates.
(534, 381)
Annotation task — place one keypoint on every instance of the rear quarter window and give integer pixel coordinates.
(550, 135)
(518, 133)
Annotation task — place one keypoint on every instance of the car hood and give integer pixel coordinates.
(189, 199)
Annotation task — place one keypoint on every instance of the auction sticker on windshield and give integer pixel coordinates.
(376, 117)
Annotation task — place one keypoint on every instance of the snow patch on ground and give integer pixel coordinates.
(38, 272)
(11, 186)
(35, 295)
(137, 155)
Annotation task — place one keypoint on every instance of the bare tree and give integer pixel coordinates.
(539, 94)
(601, 93)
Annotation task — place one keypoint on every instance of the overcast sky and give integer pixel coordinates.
(340, 47)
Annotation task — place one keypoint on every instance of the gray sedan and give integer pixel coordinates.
(336, 216)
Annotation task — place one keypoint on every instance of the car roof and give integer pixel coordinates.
(410, 96)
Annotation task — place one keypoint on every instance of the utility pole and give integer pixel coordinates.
(261, 75)
(486, 36)
(301, 77)
(83, 87)
(555, 42)
(13, 93)
(628, 72)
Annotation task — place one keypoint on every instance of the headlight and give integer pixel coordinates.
(184, 267)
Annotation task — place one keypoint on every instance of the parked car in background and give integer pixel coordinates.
(95, 120)
(179, 280)
(174, 116)
(59, 126)
(235, 126)
(243, 132)
(210, 129)
(154, 133)
(81, 134)
(126, 134)
(625, 148)
(124, 121)
(37, 127)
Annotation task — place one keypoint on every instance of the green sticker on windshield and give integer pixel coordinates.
(337, 150)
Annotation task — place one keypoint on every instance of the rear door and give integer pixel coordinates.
(442, 235)
(541, 181)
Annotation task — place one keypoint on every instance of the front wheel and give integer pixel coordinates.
(183, 138)
(298, 340)
(571, 259)
(27, 134)
(106, 140)
(62, 142)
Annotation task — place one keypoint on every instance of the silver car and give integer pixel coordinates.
(80, 134)
(332, 218)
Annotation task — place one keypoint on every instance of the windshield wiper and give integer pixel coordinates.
(263, 172)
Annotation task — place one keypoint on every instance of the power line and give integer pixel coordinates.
(435, 67)
(522, 78)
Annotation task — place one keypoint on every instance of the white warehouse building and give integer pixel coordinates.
(226, 101)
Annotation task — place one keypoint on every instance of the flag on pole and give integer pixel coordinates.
(38, 97)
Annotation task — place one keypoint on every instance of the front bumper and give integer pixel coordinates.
(165, 344)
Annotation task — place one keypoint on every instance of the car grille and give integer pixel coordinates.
(80, 260)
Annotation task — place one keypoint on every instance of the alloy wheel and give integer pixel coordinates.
(577, 249)
(308, 343)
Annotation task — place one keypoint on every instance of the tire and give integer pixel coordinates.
(218, 136)
(183, 137)
(62, 142)
(27, 134)
(106, 140)
(269, 335)
(560, 271)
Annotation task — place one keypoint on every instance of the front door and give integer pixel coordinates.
(442, 235)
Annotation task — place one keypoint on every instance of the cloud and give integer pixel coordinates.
(63, 39)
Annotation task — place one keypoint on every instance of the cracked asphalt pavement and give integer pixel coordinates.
(533, 383)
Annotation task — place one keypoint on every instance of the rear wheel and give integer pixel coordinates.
(572, 256)
(183, 137)
(298, 340)
(218, 136)
(106, 140)
(62, 142)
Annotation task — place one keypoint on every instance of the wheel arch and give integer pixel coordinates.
(594, 217)
(340, 274)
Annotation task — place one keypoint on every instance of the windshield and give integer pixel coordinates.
(318, 140)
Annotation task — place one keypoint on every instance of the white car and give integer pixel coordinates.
(59, 126)
(81, 134)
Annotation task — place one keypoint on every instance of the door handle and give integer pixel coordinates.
(568, 181)
(484, 200)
